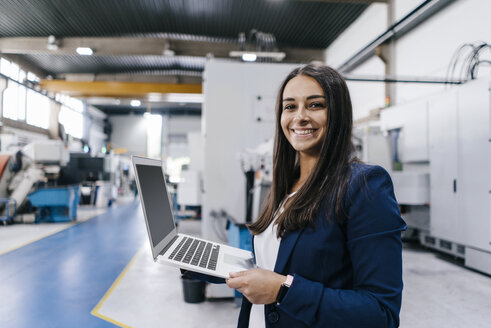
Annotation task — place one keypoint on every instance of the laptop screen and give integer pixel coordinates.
(156, 201)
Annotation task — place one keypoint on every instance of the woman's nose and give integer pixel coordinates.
(301, 114)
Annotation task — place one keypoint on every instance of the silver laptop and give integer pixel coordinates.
(173, 248)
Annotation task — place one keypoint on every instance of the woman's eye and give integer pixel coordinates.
(289, 107)
(317, 105)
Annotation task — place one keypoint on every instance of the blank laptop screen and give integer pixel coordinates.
(156, 201)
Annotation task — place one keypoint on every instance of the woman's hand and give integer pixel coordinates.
(259, 286)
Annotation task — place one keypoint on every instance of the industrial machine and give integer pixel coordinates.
(437, 151)
(29, 181)
(55, 204)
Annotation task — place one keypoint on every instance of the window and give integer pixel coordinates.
(21, 103)
(4, 66)
(72, 122)
(14, 101)
(32, 77)
(154, 135)
(14, 71)
(10, 101)
(22, 76)
(71, 115)
(38, 109)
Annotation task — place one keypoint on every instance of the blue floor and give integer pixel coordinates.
(57, 281)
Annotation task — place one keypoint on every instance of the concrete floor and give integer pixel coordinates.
(133, 291)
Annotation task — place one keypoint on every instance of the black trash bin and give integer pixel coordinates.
(193, 290)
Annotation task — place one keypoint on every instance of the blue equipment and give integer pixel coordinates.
(57, 204)
(239, 236)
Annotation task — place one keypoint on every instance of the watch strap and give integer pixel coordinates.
(284, 288)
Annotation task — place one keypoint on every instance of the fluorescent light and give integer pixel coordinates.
(135, 103)
(278, 56)
(189, 98)
(249, 57)
(84, 51)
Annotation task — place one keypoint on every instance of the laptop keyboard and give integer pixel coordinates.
(196, 252)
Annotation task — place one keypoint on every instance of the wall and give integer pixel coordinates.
(230, 111)
(373, 22)
(424, 52)
(427, 50)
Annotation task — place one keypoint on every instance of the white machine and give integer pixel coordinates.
(441, 167)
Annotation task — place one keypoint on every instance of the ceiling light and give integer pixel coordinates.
(135, 103)
(53, 43)
(168, 52)
(278, 56)
(188, 98)
(84, 51)
(249, 57)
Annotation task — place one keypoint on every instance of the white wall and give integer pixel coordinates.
(427, 50)
(230, 126)
(372, 23)
(129, 131)
(424, 52)
(367, 96)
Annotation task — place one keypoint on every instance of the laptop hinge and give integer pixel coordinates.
(169, 245)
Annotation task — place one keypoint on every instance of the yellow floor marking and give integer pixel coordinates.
(95, 310)
(47, 235)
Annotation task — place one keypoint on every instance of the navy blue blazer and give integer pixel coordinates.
(345, 274)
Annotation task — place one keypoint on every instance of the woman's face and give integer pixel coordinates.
(304, 114)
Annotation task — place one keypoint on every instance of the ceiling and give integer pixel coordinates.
(165, 41)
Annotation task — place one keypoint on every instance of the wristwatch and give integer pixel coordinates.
(284, 288)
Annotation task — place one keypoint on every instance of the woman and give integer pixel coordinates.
(335, 240)
(327, 242)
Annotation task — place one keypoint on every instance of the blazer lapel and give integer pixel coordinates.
(286, 247)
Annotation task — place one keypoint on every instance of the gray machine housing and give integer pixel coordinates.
(438, 151)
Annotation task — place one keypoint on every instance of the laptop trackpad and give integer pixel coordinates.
(238, 261)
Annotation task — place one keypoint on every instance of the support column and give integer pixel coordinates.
(386, 52)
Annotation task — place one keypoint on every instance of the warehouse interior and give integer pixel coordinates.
(86, 85)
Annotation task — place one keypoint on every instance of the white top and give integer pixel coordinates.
(266, 246)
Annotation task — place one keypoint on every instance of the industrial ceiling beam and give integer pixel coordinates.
(117, 89)
(140, 46)
(174, 77)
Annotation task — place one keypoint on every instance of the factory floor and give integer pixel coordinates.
(98, 272)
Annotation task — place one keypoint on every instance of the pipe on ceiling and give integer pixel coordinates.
(417, 16)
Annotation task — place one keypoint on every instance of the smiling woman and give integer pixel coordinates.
(328, 240)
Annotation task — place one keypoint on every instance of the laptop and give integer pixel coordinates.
(175, 249)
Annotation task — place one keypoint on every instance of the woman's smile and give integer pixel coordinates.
(303, 133)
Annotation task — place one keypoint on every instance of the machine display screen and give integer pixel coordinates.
(156, 201)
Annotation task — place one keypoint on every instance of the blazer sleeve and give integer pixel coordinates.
(373, 236)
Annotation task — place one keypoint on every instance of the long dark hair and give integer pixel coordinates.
(331, 175)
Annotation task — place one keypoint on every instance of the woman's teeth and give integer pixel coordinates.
(304, 131)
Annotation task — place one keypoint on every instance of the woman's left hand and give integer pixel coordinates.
(259, 286)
